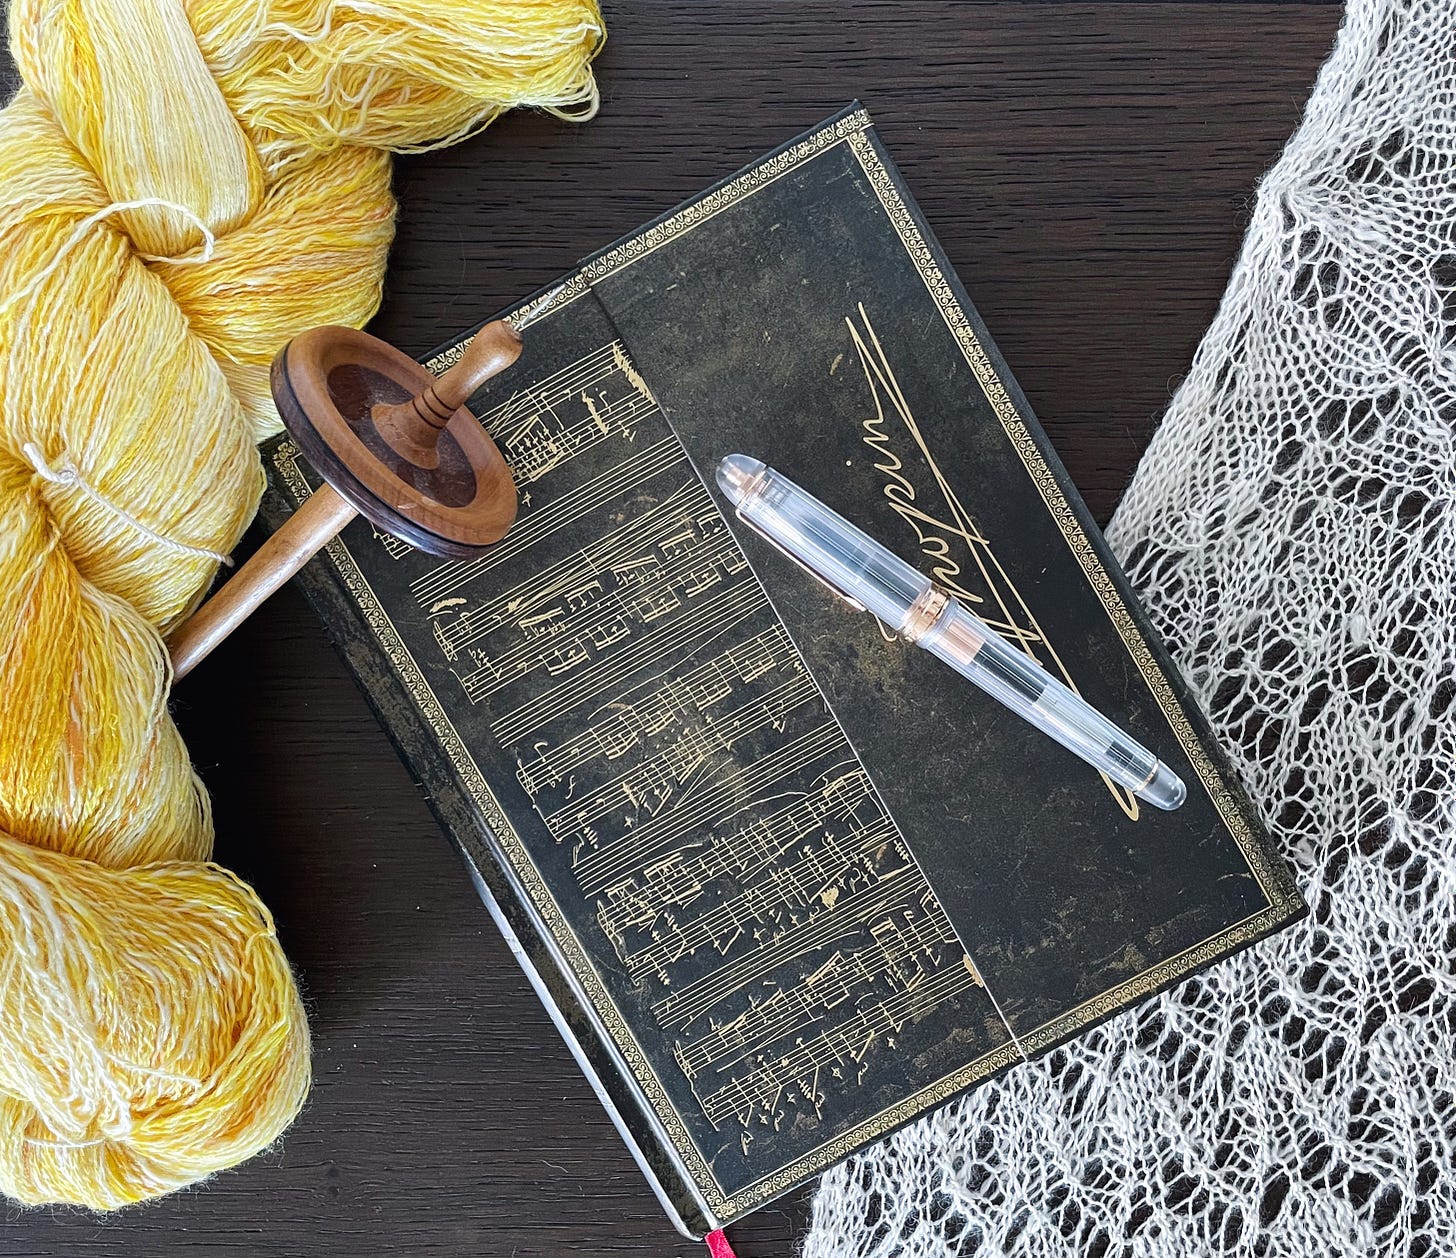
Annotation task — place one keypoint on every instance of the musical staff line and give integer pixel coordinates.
(629, 719)
(576, 571)
(449, 578)
(580, 621)
(681, 1008)
(795, 1009)
(705, 620)
(758, 1094)
(634, 901)
(797, 886)
(506, 420)
(676, 763)
(605, 862)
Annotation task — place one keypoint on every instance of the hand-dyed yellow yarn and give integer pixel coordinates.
(183, 187)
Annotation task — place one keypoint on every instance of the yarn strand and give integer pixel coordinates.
(184, 186)
(66, 474)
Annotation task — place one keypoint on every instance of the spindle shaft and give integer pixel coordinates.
(308, 530)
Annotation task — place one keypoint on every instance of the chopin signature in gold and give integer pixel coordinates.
(945, 531)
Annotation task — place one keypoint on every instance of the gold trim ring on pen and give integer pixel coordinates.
(1148, 781)
(928, 607)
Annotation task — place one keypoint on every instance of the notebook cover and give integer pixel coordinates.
(784, 882)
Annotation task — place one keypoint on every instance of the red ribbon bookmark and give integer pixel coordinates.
(718, 1246)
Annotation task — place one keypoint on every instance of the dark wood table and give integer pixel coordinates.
(1087, 167)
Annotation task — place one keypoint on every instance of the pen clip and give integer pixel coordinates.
(794, 559)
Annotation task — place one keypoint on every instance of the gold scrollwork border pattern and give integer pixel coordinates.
(720, 199)
(853, 129)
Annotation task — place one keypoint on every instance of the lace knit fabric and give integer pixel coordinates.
(1292, 531)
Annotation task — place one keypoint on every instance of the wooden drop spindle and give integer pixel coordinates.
(392, 443)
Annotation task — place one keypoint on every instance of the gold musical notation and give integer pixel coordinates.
(543, 431)
(707, 809)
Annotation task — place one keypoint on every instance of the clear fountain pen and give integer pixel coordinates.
(866, 575)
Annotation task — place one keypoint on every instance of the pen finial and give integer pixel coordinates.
(736, 474)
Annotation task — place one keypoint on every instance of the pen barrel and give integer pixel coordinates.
(974, 650)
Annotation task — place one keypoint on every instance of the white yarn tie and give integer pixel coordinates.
(67, 475)
(78, 233)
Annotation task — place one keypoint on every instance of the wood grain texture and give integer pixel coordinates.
(1087, 168)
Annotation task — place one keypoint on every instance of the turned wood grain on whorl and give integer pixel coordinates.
(366, 416)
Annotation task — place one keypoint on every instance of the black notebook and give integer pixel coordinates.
(786, 883)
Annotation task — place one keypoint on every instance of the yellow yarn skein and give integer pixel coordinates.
(183, 187)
